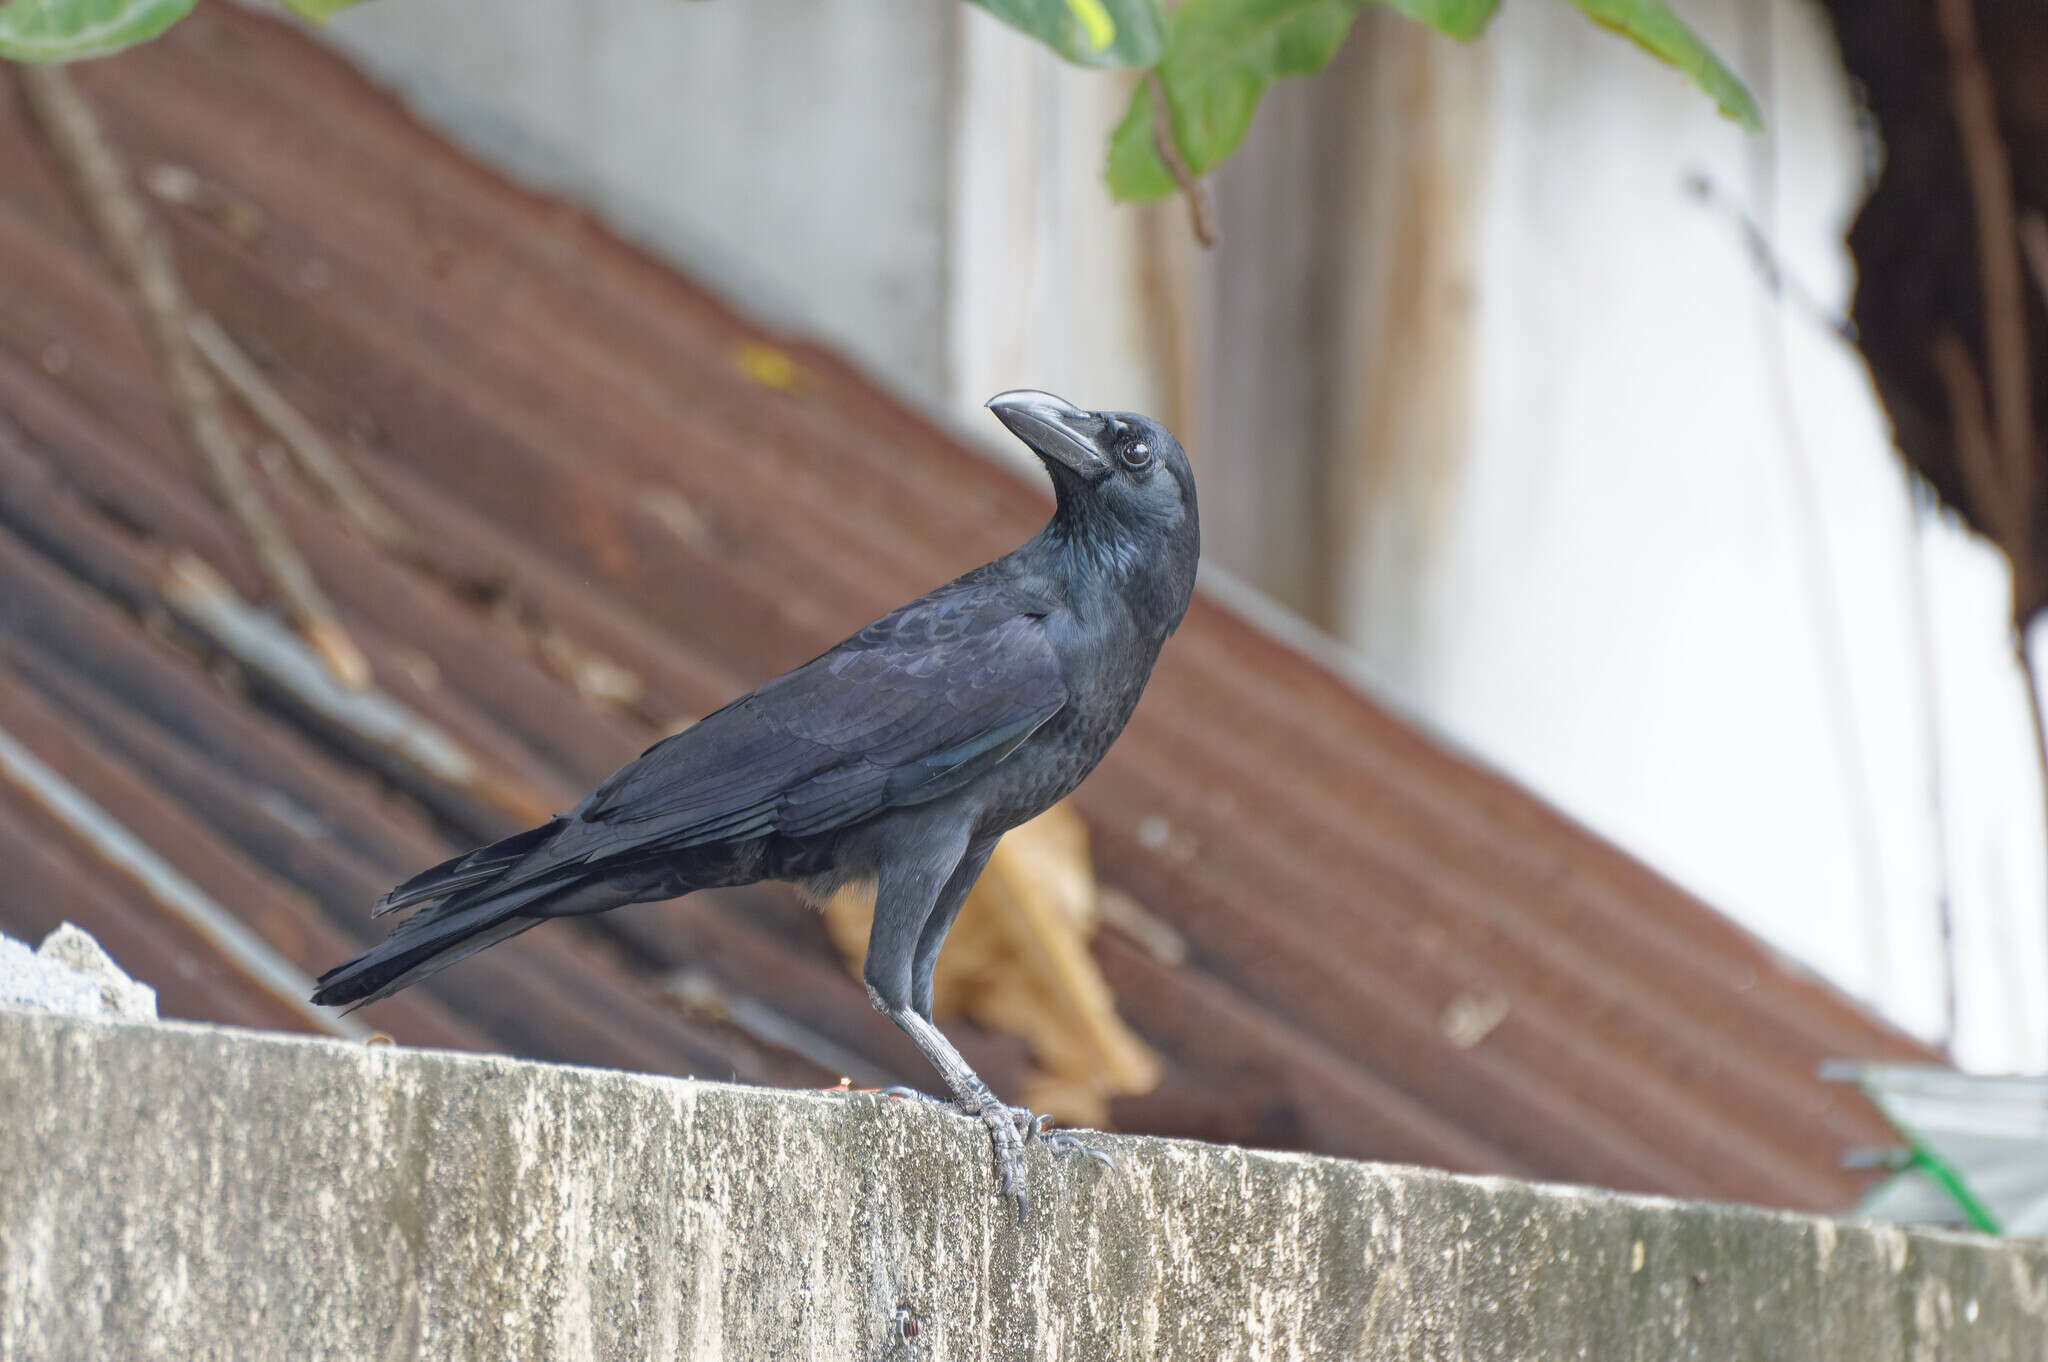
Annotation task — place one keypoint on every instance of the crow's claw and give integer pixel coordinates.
(905, 1091)
(1067, 1142)
(1009, 1146)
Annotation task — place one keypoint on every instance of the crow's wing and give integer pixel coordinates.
(910, 708)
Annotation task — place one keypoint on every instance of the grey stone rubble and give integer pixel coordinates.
(71, 974)
(180, 1191)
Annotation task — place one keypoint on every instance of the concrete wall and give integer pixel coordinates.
(172, 1191)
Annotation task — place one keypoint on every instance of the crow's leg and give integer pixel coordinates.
(917, 894)
(923, 878)
(940, 1051)
(940, 921)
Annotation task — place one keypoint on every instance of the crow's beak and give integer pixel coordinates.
(1057, 430)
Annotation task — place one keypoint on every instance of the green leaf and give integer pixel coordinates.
(1460, 19)
(1221, 56)
(1135, 172)
(1658, 31)
(1091, 32)
(319, 11)
(66, 30)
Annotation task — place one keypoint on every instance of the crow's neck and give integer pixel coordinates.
(1088, 545)
(1092, 554)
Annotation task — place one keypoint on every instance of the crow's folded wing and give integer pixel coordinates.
(910, 708)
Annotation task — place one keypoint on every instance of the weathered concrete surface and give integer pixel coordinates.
(183, 1192)
(70, 973)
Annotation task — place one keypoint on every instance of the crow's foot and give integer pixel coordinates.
(1010, 1129)
(1029, 1126)
(1008, 1140)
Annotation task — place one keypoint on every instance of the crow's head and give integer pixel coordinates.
(1114, 472)
(1126, 499)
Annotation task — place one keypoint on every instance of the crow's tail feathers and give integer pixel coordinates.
(476, 908)
(468, 870)
(386, 968)
(492, 893)
(427, 942)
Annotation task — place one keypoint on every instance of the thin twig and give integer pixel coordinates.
(1831, 649)
(139, 254)
(328, 469)
(2033, 230)
(2032, 677)
(1930, 709)
(1970, 435)
(1763, 257)
(1837, 673)
(1164, 143)
(2004, 296)
(1985, 157)
(308, 447)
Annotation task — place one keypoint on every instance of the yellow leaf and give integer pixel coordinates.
(766, 365)
(1095, 22)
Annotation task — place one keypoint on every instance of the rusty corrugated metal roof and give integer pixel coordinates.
(1391, 952)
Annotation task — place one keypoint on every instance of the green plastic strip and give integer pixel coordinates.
(1949, 1180)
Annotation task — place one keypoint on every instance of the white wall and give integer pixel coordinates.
(1677, 595)
(1043, 273)
(793, 151)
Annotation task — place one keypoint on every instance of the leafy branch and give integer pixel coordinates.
(1222, 55)
(1206, 64)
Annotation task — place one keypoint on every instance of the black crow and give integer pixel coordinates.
(900, 756)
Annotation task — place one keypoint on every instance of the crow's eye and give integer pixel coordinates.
(1137, 454)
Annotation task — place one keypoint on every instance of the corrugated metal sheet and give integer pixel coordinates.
(1393, 953)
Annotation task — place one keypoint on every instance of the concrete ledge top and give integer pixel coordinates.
(183, 1191)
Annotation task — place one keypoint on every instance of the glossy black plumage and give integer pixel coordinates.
(903, 753)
